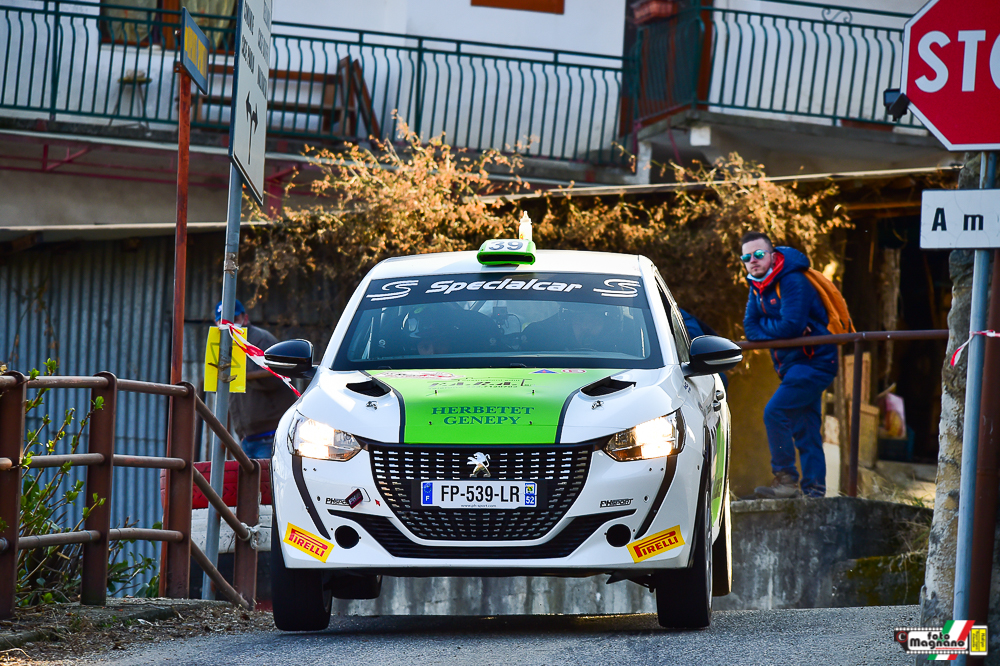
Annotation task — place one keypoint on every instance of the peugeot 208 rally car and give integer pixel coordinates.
(507, 412)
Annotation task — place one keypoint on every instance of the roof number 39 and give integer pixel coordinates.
(505, 245)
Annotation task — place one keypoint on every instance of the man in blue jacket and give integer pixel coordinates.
(783, 304)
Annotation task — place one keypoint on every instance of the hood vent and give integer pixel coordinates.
(605, 387)
(373, 388)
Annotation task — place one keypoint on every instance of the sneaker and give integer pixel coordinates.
(784, 486)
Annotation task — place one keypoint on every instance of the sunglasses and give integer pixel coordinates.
(757, 254)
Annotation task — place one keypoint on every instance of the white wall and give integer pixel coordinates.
(588, 26)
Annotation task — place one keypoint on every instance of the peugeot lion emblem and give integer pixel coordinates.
(481, 463)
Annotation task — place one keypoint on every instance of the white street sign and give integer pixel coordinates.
(960, 219)
(249, 112)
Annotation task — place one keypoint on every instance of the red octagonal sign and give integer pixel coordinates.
(951, 71)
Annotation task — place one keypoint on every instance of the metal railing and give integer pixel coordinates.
(811, 63)
(110, 63)
(101, 460)
(859, 339)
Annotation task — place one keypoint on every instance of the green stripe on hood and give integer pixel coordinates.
(486, 406)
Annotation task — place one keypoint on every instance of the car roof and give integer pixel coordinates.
(547, 261)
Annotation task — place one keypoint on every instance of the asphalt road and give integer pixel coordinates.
(813, 637)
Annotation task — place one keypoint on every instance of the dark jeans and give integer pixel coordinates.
(792, 418)
(259, 445)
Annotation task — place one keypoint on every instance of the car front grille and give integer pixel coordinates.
(560, 470)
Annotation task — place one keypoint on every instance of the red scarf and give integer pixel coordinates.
(779, 263)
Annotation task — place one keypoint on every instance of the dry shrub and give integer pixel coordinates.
(374, 205)
(429, 199)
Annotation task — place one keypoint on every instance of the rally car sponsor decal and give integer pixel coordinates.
(473, 411)
(418, 374)
(390, 291)
(307, 542)
(483, 382)
(625, 501)
(451, 286)
(580, 287)
(655, 544)
(618, 288)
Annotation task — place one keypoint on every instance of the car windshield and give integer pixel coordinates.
(502, 320)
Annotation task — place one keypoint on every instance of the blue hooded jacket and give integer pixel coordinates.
(790, 311)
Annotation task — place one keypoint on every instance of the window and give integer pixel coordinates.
(547, 6)
(138, 23)
(681, 340)
(563, 320)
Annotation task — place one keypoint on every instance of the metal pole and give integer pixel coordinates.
(245, 552)
(56, 53)
(94, 568)
(419, 96)
(180, 236)
(12, 447)
(985, 518)
(180, 271)
(229, 268)
(970, 428)
(175, 566)
(852, 468)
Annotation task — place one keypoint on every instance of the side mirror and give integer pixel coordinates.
(711, 354)
(291, 358)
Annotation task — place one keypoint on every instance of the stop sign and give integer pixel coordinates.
(951, 71)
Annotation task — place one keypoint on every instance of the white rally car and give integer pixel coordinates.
(506, 412)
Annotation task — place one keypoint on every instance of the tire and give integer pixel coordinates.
(722, 553)
(684, 596)
(301, 597)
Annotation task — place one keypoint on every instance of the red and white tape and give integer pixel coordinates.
(958, 352)
(254, 353)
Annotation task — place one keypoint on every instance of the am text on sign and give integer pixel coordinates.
(960, 219)
(951, 71)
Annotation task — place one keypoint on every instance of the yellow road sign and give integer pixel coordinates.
(238, 370)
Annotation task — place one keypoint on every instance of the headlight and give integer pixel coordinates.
(653, 439)
(312, 439)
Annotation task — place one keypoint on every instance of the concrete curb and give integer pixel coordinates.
(117, 611)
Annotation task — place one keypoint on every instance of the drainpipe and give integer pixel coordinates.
(984, 523)
(987, 477)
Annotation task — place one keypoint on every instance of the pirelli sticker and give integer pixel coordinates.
(308, 543)
(655, 544)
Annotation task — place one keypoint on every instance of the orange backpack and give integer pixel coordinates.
(833, 301)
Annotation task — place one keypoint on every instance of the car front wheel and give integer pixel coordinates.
(684, 596)
(301, 597)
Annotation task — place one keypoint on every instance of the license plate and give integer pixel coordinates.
(478, 494)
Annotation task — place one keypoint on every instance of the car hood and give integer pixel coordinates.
(491, 406)
(510, 405)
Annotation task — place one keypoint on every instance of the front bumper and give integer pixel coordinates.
(313, 503)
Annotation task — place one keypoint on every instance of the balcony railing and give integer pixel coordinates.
(808, 63)
(103, 63)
